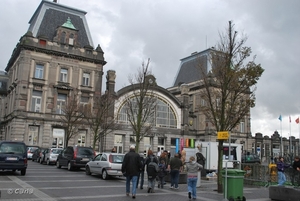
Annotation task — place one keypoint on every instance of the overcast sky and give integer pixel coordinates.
(166, 31)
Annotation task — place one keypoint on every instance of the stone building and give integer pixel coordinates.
(56, 56)
(53, 58)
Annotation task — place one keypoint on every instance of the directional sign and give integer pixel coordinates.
(223, 135)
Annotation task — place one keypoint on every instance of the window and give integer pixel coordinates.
(242, 127)
(36, 101)
(63, 37)
(71, 39)
(39, 71)
(164, 115)
(61, 101)
(86, 79)
(63, 75)
(84, 100)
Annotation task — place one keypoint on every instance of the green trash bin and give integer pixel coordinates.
(235, 184)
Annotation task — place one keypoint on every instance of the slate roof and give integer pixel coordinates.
(189, 67)
(50, 15)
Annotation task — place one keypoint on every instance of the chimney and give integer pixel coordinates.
(55, 1)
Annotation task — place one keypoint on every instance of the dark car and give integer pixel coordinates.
(13, 156)
(39, 155)
(250, 158)
(75, 157)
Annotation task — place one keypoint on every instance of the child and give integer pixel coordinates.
(161, 174)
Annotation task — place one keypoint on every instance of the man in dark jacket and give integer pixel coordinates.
(131, 168)
(281, 166)
(296, 171)
(175, 166)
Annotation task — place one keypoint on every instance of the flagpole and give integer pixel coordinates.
(299, 138)
(281, 146)
(290, 136)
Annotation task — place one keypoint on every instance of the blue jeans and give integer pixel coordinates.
(174, 178)
(141, 175)
(192, 184)
(134, 180)
(281, 178)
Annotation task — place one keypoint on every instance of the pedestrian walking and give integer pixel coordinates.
(162, 173)
(192, 168)
(131, 168)
(175, 166)
(150, 161)
(141, 175)
(281, 166)
(296, 171)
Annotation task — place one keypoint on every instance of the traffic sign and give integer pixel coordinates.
(223, 135)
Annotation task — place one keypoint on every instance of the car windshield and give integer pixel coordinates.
(56, 151)
(32, 149)
(85, 151)
(13, 148)
(117, 158)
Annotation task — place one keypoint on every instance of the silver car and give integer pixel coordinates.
(51, 155)
(105, 164)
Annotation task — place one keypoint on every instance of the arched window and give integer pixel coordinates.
(164, 114)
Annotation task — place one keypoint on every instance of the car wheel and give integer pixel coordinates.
(48, 161)
(58, 165)
(70, 168)
(87, 170)
(105, 176)
(23, 172)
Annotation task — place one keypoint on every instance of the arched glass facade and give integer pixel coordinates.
(164, 115)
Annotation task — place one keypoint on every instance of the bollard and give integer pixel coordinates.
(199, 179)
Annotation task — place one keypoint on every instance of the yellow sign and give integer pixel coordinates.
(223, 135)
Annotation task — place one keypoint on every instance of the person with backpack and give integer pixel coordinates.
(162, 173)
(152, 170)
(141, 175)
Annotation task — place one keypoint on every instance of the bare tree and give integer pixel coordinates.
(140, 105)
(72, 117)
(100, 118)
(228, 89)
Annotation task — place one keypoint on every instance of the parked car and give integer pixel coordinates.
(13, 156)
(51, 155)
(30, 150)
(250, 158)
(75, 157)
(38, 155)
(106, 164)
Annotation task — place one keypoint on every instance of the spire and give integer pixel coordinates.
(68, 24)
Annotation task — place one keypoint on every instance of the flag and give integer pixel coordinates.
(280, 118)
(297, 120)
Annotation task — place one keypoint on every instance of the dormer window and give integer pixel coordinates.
(66, 34)
(63, 37)
(71, 39)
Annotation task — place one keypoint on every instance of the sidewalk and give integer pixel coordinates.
(208, 192)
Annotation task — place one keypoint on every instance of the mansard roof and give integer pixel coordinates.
(49, 15)
(189, 67)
